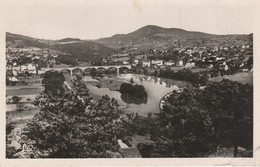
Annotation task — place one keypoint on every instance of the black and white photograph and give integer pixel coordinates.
(129, 79)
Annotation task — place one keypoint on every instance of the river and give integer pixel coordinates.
(155, 87)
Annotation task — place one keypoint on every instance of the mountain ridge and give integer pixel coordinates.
(150, 34)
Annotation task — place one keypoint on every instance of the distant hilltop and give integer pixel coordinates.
(155, 35)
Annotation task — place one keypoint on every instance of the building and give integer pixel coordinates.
(146, 63)
(157, 62)
(169, 63)
(180, 63)
(125, 62)
(190, 64)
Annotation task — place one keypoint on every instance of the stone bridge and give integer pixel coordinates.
(89, 68)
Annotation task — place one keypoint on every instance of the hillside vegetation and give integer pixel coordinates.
(154, 35)
(81, 50)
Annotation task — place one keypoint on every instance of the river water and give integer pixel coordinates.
(155, 87)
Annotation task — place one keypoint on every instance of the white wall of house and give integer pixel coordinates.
(146, 64)
(157, 62)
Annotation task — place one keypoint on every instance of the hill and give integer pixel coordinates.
(152, 35)
(84, 50)
(69, 39)
(79, 49)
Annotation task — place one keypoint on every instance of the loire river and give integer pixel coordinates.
(155, 87)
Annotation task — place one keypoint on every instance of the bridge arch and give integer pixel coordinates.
(123, 70)
(101, 68)
(77, 71)
(101, 71)
(65, 70)
(112, 70)
(87, 71)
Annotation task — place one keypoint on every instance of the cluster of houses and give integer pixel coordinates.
(217, 58)
(159, 62)
(20, 63)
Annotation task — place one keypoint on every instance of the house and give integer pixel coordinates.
(125, 62)
(13, 79)
(180, 63)
(157, 62)
(31, 67)
(190, 64)
(136, 61)
(24, 67)
(245, 69)
(169, 63)
(17, 68)
(15, 73)
(224, 67)
(146, 63)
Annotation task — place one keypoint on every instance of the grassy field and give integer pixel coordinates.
(243, 77)
(27, 94)
(21, 117)
(22, 91)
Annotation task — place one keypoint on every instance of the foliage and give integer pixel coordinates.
(195, 121)
(83, 50)
(78, 134)
(133, 93)
(70, 126)
(230, 104)
(199, 78)
(131, 80)
(16, 99)
(10, 125)
(67, 59)
(185, 128)
(196, 78)
(53, 82)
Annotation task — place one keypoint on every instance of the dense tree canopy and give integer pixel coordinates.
(67, 59)
(53, 82)
(195, 121)
(70, 126)
(133, 93)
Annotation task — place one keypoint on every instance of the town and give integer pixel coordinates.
(217, 61)
(111, 98)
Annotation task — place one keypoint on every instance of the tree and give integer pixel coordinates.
(131, 80)
(70, 127)
(53, 82)
(184, 128)
(77, 133)
(195, 121)
(231, 106)
(10, 125)
(133, 93)
(16, 99)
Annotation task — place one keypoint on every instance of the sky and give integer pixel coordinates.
(93, 19)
